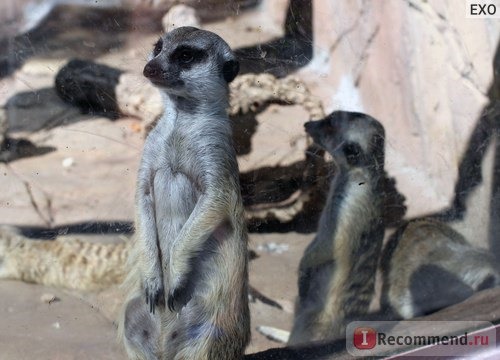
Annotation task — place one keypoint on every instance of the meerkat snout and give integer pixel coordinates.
(154, 72)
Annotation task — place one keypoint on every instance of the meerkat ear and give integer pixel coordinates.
(230, 69)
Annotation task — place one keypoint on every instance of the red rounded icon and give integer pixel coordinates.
(364, 338)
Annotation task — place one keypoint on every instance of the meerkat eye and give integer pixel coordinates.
(158, 47)
(186, 56)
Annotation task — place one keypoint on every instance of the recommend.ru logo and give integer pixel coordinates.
(420, 338)
(364, 338)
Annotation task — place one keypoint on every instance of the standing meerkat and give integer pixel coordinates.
(337, 270)
(188, 278)
(427, 266)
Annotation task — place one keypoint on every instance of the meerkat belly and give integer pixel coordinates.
(175, 199)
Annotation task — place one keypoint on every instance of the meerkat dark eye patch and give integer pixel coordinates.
(352, 152)
(158, 47)
(187, 56)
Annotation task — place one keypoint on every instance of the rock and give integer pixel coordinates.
(68, 162)
(274, 334)
(48, 298)
(180, 15)
(137, 97)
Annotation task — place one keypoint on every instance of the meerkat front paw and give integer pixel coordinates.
(155, 293)
(179, 291)
(178, 296)
(178, 282)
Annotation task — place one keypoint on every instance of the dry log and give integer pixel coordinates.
(89, 86)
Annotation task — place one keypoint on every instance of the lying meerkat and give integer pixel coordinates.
(69, 263)
(337, 270)
(428, 266)
(188, 296)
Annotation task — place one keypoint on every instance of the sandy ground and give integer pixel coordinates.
(68, 328)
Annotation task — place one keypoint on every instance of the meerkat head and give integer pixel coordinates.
(353, 139)
(192, 63)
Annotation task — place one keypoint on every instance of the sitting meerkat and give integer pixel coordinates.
(337, 270)
(188, 278)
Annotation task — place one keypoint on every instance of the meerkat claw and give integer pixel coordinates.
(151, 304)
(171, 303)
(178, 297)
(174, 300)
(155, 298)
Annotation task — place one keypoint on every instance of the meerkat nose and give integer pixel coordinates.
(152, 70)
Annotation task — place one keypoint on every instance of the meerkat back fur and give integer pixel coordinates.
(427, 266)
(187, 295)
(337, 270)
